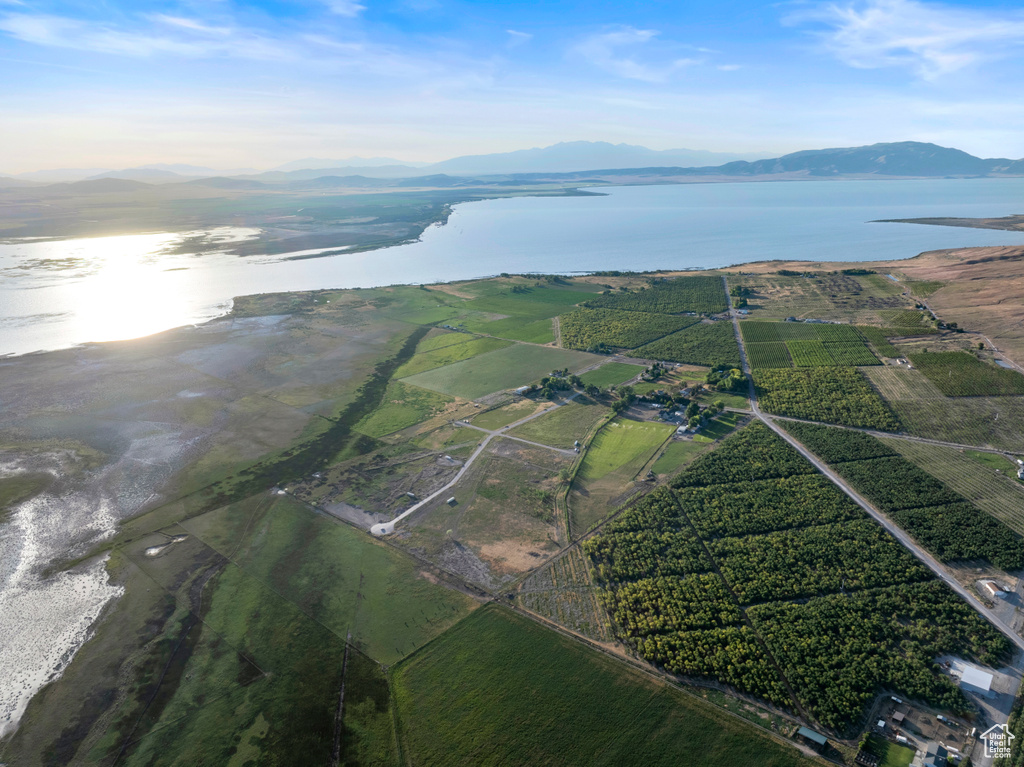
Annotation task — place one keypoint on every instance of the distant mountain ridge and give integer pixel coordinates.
(905, 159)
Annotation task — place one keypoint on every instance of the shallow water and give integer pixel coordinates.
(55, 294)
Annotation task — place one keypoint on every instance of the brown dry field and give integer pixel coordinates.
(983, 293)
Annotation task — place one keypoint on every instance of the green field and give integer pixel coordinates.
(336, 574)
(890, 754)
(403, 406)
(564, 425)
(622, 445)
(527, 695)
(721, 426)
(507, 368)
(470, 346)
(605, 479)
(677, 454)
(612, 374)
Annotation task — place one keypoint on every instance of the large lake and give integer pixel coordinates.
(59, 293)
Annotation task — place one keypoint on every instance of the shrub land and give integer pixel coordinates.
(590, 328)
(835, 395)
(942, 521)
(959, 374)
(709, 344)
(703, 295)
(527, 695)
(697, 578)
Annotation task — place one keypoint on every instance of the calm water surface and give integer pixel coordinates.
(57, 294)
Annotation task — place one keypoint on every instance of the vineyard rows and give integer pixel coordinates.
(959, 374)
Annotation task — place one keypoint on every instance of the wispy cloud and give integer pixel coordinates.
(190, 24)
(517, 38)
(615, 52)
(345, 7)
(929, 39)
(140, 41)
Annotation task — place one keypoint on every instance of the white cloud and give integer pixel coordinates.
(604, 51)
(930, 39)
(729, 67)
(345, 7)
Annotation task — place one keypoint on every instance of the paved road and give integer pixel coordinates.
(884, 521)
(386, 528)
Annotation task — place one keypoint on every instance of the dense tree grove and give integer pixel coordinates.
(837, 651)
(941, 520)
(814, 560)
(895, 483)
(749, 508)
(589, 328)
(751, 454)
(752, 562)
(710, 344)
(731, 654)
(835, 395)
(838, 445)
(704, 295)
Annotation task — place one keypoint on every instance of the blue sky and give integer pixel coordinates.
(224, 83)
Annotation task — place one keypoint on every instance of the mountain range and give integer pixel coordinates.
(566, 162)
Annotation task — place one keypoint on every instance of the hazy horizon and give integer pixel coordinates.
(255, 85)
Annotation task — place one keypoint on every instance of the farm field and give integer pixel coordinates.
(506, 414)
(879, 339)
(718, 427)
(708, 344)
(940, 520)
(703, 295)
(834, 297)
(924, 411)
(563, 592)
(544, 699)
(678, 569)
(677, 454)
(833, 394)
(503, 522)
(768, 354)
(471, 346)
(809, 354)
(1001, 496)
(589, 328)
(403, 406)
(564, 425)
(605, 479)
(959, 374)
(611, 374)
(507, 368)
